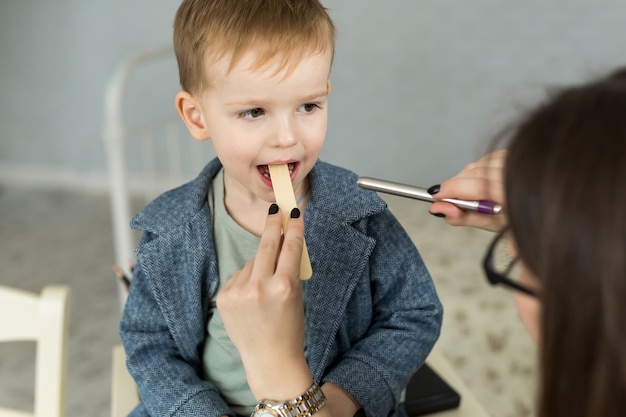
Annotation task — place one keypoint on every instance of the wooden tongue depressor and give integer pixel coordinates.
(286, 200)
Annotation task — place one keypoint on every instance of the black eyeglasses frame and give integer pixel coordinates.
(496, 278)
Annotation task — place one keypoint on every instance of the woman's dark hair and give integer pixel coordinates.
(565, 183)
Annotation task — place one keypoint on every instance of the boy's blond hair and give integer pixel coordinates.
(212, 29)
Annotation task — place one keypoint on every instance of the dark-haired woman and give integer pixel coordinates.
(562, 182)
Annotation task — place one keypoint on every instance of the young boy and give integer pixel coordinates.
(255, 81)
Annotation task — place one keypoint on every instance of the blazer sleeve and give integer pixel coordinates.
(169, 381)
(405, 320)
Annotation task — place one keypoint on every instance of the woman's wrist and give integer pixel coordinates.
(279, 383)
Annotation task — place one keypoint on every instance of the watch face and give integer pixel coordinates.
(265, 411)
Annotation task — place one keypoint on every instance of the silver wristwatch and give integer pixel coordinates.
(305, 405)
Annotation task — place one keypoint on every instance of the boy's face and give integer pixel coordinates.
(256, 117)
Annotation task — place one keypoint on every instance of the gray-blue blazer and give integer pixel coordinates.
(372, 312)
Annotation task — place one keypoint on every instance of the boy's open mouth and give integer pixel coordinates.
(265, 170)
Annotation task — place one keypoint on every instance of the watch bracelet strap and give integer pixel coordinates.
(305, 405)
(309, 403)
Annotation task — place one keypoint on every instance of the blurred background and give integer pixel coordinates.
(418, 89)
(418, 86)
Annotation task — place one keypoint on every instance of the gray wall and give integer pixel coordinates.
(418, 85)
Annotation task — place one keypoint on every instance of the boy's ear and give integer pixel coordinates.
(191, 113)
(328, 87)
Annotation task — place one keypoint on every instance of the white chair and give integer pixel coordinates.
(148, 148)
(124, 393)
(43, 318)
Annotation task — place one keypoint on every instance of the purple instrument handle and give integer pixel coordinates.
(488, 207)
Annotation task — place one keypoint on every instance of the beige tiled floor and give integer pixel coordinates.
(63, 237)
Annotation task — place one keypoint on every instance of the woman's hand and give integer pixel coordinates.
(480, 180)
(263, 312)
(262, 309)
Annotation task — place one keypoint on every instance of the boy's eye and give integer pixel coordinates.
(308, 107)
(252, 113)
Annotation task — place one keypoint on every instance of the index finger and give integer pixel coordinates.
(290, 255)
(269, 246)
(483, 179)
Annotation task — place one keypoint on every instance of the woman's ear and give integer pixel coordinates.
(190, 111)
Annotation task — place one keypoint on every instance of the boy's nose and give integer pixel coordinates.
(285, 134)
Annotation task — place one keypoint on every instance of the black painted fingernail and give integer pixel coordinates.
(273, 208)
(438, 214)
(295, 213)
(434, 189)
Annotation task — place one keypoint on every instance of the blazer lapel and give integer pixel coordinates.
(339, 254)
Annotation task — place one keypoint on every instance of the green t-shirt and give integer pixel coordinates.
(234, 247)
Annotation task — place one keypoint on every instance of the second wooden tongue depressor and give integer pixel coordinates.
(286, 200)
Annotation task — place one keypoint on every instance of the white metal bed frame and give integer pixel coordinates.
(155, 175)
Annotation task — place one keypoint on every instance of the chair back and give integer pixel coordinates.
(148, 147)
(44, 319)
